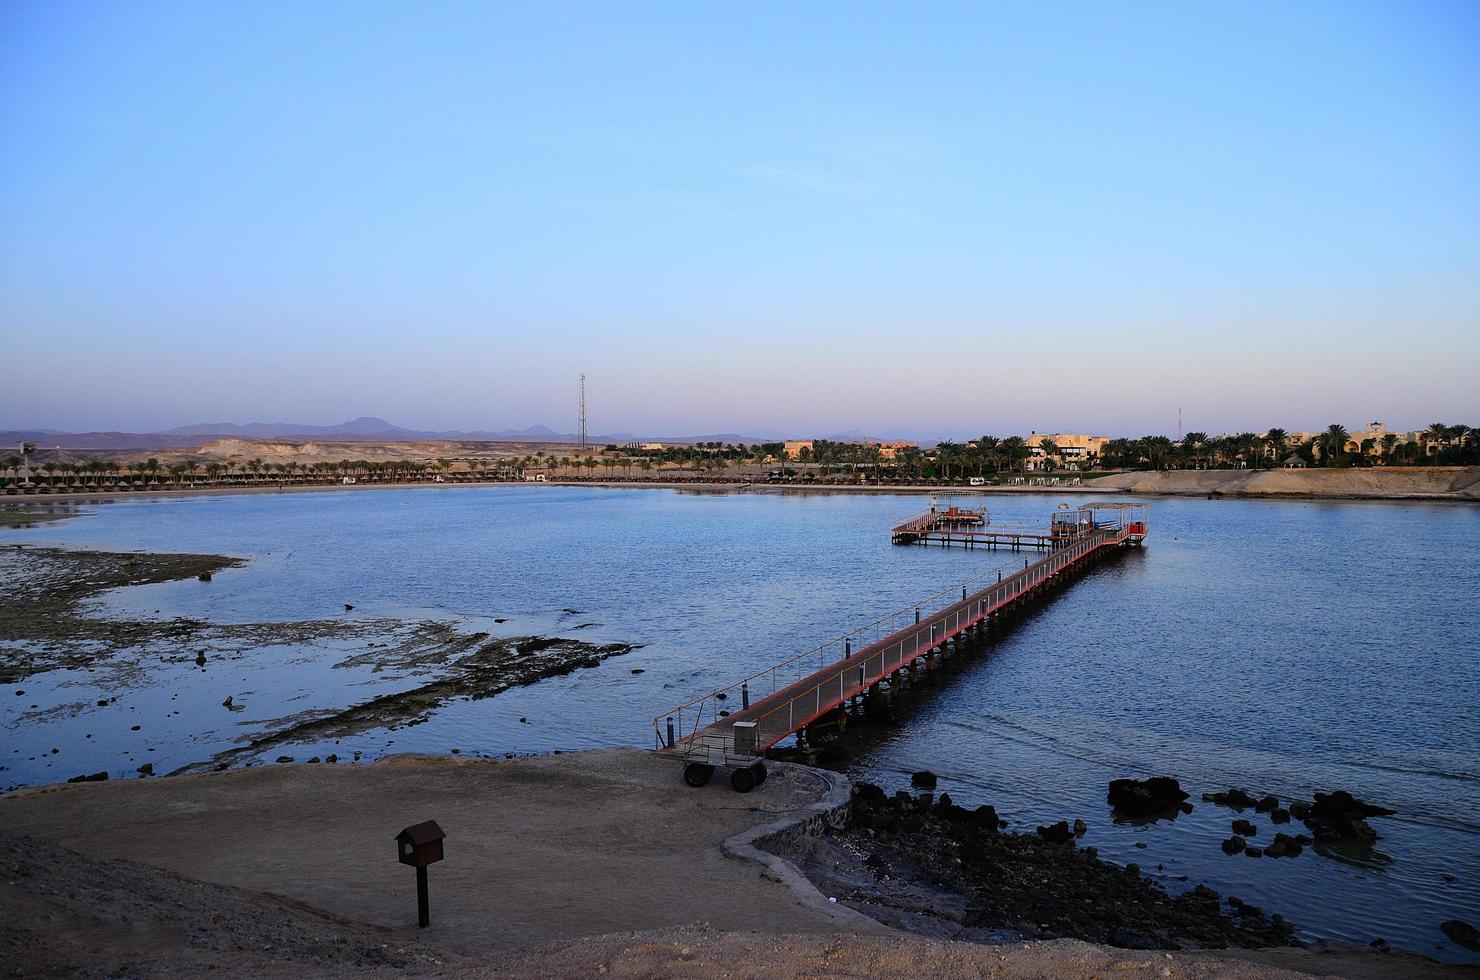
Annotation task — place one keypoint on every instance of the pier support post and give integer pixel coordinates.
(744, 695)
(670, 733)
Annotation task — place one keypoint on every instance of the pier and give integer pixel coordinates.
(735, 725)
(972, 528)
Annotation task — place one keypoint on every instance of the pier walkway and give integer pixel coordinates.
(777, 702)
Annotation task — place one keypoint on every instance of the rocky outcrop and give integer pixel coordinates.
(1039, 885)
(1339, 817)
(1159, 796)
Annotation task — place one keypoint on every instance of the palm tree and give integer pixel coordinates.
(1335, 440)
(1015, 448)
(1438, 435)
(1275, 439)
(1050, 449)
(1192, 444)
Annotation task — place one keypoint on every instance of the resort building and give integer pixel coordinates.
(888, 450)
(793, 447)
(1075, 450)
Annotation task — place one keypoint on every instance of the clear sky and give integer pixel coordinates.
(928, 218)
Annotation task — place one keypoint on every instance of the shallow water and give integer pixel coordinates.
(1279, 647)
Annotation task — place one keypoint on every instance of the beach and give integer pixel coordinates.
(553, 866)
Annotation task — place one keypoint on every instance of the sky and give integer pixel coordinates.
(934, 218)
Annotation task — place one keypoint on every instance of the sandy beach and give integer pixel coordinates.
(562, 865)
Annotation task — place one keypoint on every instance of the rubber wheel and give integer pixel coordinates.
(743, 780)
(696, 774)
(760, 772)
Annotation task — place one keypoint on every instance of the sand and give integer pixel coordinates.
(1458, 483)
(573, 865)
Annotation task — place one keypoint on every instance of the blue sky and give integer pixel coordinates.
(929, 218)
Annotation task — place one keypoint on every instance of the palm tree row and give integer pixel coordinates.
(823, 461)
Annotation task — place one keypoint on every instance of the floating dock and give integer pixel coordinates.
(745, 719)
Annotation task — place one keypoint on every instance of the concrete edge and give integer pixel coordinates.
(827, 814)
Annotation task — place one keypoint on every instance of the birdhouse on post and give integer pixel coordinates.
(420, 845)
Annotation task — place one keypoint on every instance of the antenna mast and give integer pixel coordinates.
(583, 411)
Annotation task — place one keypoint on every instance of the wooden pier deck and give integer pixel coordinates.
(786, 698)
(971, 529)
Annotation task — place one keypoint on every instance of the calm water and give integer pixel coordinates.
(1280, 647)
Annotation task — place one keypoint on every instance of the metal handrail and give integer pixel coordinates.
(1017, 583)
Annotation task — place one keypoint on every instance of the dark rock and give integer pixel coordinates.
(147, 769)
(945, 802)
(1283, 846)
(1141, 845)
(1299, 809)
(1134, 870)
(1234, 844)
(134, 728)
(96, 777)
(311, 760)
(331, 758)
(1157, 796)
(200, 659)
(1245, 828)
(1266, 804)
(348, 607)
(868, 793)
(1234, 798)
(924, 779)
(638, 670)
(985, 817)
(1462, 933)
(1381, 945)
(1080, 828)
(1058, 833)
(227, 702)
(1253, 852)
(1279, 815)
(1204, 892)
(1340, 817)
(285, 758)
(204, 576)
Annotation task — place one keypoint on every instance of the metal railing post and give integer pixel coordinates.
(670, 732)
(744, 696)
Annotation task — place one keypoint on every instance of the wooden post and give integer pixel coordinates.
(423, 913)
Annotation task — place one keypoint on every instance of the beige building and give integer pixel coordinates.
(1367, 441)
(793, 447)
(888, 450)
(1076, 450)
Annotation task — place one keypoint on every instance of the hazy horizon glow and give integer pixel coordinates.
(950, 219)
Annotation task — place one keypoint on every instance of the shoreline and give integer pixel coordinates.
(596, 858)
(1470, 494)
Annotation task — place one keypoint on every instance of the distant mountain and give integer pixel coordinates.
(356, 430)
(365, 425)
